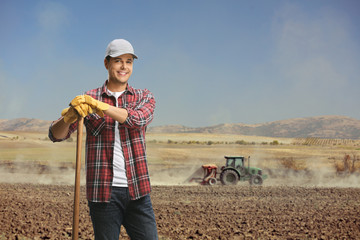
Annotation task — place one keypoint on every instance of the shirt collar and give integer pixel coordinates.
(104, 89)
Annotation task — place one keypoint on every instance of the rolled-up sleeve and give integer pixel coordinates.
(141, 113)
(72, 129)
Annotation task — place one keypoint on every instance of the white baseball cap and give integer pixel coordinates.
(119, 47)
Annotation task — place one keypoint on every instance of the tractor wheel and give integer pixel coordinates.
(256, 180)
(212, 181)
(229, 177)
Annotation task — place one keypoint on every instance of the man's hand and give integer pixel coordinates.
(77, 100)
(86, 104)
(96, 104)
(70, 115)
(83, 109)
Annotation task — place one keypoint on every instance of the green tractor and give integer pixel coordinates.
(236, 170)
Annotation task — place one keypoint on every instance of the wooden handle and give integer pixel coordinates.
(75, 229)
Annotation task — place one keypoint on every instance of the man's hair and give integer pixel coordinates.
(108, 57)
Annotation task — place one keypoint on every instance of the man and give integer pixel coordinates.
(117, 179)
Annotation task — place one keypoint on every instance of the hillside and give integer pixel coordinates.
(321, 126)
(24, 124)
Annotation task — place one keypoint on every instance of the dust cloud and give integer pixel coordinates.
(176, 175)
(321, 177)
(21, 171)
(310, 175)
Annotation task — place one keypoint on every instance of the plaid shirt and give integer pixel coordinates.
(100, 140)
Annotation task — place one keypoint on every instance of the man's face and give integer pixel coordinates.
(120, 68)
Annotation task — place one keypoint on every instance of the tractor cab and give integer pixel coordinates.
(235, 162)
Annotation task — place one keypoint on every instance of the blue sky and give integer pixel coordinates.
(207, 62)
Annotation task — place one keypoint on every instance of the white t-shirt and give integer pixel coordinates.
(119, 169)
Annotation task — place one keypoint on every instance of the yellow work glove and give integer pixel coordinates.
(96, 104)
(99, 112)
(80, 106)
(77, 100)
(70, 115)
(83, 109)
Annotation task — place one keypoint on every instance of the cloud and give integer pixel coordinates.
(52, 19)
(42, 69)
(13, 94)
(52, 16)
(313, 54)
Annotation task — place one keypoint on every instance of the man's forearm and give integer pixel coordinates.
(118, 114)
(60, 129)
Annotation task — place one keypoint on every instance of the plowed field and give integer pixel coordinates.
(32, 211)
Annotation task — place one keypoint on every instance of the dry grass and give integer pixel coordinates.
(291, 163)
(349, 164)
(174, 150)
(311, 141)
(25, 146)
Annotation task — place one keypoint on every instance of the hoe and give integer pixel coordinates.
(75, 229)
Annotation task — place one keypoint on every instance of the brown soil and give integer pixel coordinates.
(33, 211)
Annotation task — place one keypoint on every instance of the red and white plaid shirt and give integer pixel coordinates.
(100, 139)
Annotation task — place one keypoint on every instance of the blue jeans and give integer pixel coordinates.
(137, 216)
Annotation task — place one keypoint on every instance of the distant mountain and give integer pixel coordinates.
(322, 126)
(25, 124)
